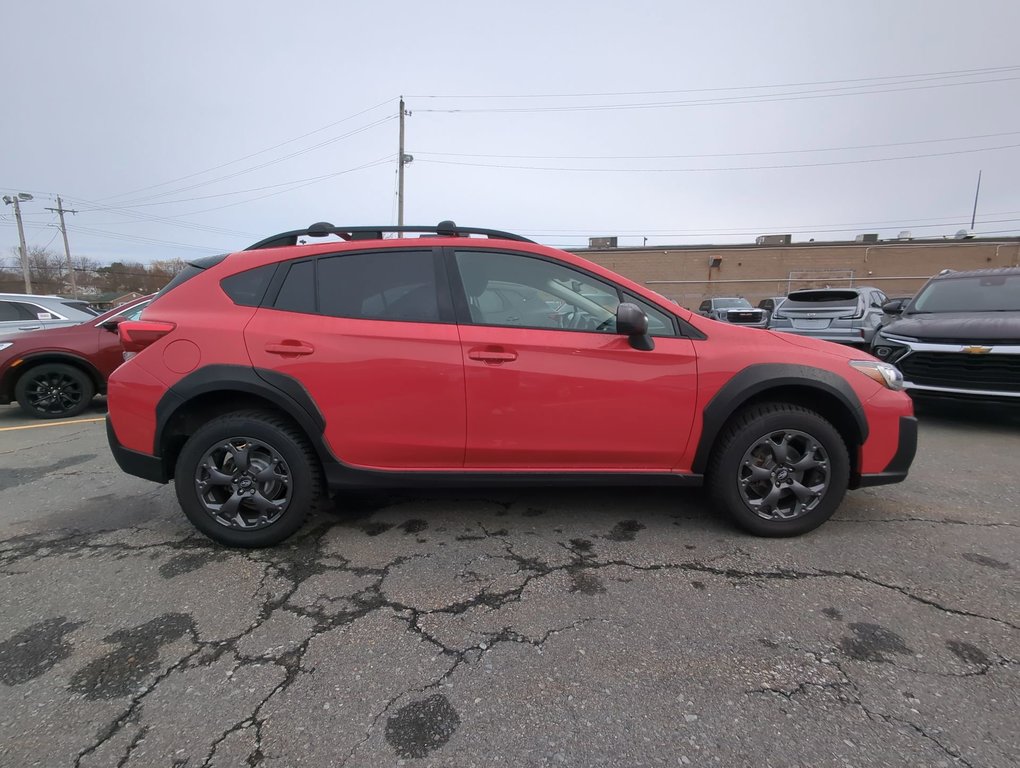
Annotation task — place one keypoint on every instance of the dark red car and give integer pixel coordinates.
(264, 379)
(55, 372)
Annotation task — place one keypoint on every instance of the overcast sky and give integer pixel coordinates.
(177, 129)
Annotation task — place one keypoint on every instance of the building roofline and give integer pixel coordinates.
(892, 243)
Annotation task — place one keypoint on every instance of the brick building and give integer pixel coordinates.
(689, 274)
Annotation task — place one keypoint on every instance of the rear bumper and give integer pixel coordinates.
(134, 463)
(899, 465)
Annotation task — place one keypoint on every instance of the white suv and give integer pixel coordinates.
(27, 312)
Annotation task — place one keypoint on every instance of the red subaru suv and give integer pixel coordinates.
(265, 379)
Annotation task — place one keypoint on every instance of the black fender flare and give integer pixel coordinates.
(284, 392)
(757, 379)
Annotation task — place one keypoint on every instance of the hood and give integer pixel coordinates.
(1002, 327)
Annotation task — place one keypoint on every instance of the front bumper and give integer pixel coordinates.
(897, 468)
(955, 370)
(134, 463)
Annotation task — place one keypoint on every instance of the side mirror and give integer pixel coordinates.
(111, 324)
(631, 321)
(894, 307)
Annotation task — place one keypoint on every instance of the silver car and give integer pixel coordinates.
(27, 312)
(736, 310)
(844, 315)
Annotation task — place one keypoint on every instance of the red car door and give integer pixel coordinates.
(377, 350)
(553, 387)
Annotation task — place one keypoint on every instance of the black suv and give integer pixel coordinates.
(958, 337)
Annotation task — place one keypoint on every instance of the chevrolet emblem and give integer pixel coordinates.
(976, 350)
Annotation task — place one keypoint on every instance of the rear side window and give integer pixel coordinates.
(247, 288)
(382, 285)
(297, 294)
(80, 306)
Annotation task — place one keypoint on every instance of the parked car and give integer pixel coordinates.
(263, 379)
(29, 312)
(56, 372)
(733, 310)
(844, 315)
(959, 337)
(769, 305)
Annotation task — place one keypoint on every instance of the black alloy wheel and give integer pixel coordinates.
(779, 470)
(248, 479)
(54, 391)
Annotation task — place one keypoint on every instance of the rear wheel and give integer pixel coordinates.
(54, 391)
(779, 470)
(248, 479)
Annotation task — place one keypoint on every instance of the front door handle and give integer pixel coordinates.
(290, 347)
(29, 327)
(492, 356)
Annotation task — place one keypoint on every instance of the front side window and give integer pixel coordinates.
(381, 285)
(9, 311)
(513, 290)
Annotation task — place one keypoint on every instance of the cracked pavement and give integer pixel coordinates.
(603, 627)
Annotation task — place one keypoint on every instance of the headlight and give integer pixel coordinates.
(888, 376)
(5, 345)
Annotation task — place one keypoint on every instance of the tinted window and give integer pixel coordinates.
(298, 291)
(80, 306)
(382, 285)
(535, 293)
(980, 293)
(248, 288)
(31, 311)
(8, 311)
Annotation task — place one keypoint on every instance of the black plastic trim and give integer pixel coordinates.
(135, 463)
(323, 229)
(340, 476)
(899, 465)
(283, 391)
(759, 378)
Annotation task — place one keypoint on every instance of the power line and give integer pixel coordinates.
(722, 154)
(753, 99)
(252, 154)
(710, 170)
(908, 78)
(266, 164)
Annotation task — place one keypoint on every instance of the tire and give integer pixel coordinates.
(54, 391)
(217, 479)
(765, 495)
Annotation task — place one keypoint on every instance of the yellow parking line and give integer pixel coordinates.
(53, 424)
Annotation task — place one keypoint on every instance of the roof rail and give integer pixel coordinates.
(324, 229)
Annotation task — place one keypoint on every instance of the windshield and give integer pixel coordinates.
(980, 293)
(732, 303)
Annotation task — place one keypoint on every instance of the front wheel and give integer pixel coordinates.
(779, 470)
(248, 479)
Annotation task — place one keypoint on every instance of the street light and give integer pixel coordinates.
(16, 200)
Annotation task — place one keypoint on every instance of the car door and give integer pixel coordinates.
(565, 392)
(371, 337)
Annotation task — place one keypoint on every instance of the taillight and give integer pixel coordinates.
(136, 335)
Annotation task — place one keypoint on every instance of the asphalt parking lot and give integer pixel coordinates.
(615, 627)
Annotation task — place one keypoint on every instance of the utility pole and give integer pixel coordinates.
(16, 201)
(402, 160)
(977, 192)
(60, 210)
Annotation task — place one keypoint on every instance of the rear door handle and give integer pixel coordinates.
(290, 347)
(493, 356)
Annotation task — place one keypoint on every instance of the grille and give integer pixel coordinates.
(745, 317)
(963, 371)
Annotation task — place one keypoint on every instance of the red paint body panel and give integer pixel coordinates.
(392, 393)
(572, 400)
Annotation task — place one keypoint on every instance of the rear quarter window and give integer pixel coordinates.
(249, 287)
